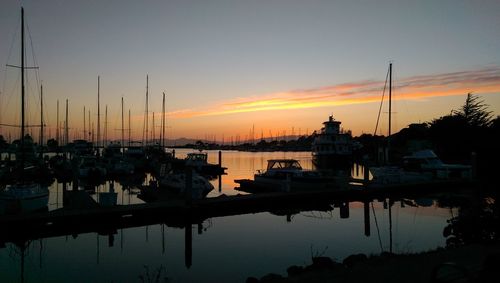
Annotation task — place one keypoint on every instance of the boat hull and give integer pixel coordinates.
(17, 203)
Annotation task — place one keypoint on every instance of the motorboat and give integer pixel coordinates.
(288, 175)
(199, 162)
(420, 167)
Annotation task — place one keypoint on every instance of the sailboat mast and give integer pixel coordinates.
(147, 109)
(41, 119)
(84, 124)
(123, 128)
(153, 129)
(90, 129)
(22, 87)
(57, 125)
(105, 137)
(163, 123)
(390, 97)
(390, 110)
(67, 126)
(129, 128)
(98, 112)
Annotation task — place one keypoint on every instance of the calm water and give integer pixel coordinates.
(228, 249)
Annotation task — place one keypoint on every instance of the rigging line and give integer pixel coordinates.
(378, 230)
(35, 63)
(381, 103)
(14, 36)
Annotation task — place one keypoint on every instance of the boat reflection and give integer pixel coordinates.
(109, 225)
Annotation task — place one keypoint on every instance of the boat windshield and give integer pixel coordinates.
(283, 164)
(197, 156)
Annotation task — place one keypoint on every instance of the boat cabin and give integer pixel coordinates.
(420, 160)
(283, 164)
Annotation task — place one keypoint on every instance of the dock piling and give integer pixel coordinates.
(367, 218)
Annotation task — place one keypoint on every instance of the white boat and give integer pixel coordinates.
(288, 175)
(421, 167)
(176, 183)
(23, 198)
(332, 147)
(199, 162)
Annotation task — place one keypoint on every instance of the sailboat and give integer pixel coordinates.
(418, 168)
(22, 195)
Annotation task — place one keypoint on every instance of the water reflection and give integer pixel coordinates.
(228, 246)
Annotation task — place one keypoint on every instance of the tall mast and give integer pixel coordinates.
(129, 128)
(153, 129)
(57, 125)
(90, 129)
(41, 120)
(390, 97)
(163, 123)
(67, 126)
(105, 137)
(22, 88)
(147, 108)
(390, 110)
(84, 124)
(123, 128)
(98, 113)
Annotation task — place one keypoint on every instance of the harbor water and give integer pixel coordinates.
(225, 249)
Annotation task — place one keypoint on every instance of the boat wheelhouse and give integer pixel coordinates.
(332, 147)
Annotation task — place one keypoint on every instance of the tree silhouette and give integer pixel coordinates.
(475, 112)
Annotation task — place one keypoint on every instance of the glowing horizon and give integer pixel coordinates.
(486, 80)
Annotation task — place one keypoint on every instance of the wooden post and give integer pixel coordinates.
(220, 158)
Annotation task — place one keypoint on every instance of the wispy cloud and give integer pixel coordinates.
(485, 80)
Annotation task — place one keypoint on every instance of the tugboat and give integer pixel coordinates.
(332, 147)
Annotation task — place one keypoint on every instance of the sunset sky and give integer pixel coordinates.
(228, 66)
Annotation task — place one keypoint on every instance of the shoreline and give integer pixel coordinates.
(474, 263)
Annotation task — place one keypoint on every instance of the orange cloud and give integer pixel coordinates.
(486, 80)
